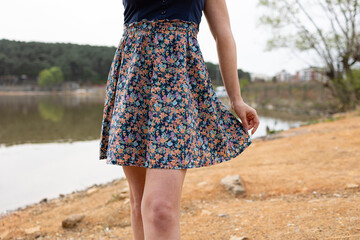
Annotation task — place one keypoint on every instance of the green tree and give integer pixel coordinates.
(49, 77)
(57, 74)
(327, 28)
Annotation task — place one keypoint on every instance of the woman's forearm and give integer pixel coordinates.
(226, 49)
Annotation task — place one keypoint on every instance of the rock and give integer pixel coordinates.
(352, 185)
(223, 215)
(91, 190)
(125, 190)
(72, 220)
(32, 230)
(205, 212)
(234, 237)
(202, 184)
(234, 185)
(44, 200)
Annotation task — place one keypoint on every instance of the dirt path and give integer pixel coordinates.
(305, 184)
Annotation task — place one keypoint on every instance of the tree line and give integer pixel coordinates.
(79, 63)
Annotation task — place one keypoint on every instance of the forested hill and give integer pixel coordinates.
(78, 63)
(81, 63)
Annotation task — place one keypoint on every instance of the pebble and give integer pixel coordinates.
(91, 190)
(234, 237)
(352, 185)
(72, 221)
(125, 190)
(202, 184)
(205, 212)
(32, 230)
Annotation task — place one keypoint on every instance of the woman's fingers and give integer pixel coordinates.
(244, 121)
(256, 125)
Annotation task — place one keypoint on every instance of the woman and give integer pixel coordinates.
(161, 114)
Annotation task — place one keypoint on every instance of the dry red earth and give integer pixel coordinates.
(305, 184)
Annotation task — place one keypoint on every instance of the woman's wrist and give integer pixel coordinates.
(236, 99)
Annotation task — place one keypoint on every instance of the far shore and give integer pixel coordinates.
(99, 89)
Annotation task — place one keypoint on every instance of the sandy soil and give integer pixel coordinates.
(302, 184)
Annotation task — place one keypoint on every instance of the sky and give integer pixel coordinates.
(101, 23)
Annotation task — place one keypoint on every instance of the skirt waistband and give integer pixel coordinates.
(161, 25)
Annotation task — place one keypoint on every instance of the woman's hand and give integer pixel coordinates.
(247, 115)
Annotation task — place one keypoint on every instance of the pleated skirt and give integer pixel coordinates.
(160, 109)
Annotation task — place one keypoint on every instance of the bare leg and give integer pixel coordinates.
(136, 179)
(160, 205)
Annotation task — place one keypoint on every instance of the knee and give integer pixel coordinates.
(160, 212)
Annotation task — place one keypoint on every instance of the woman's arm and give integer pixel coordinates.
(217, 16)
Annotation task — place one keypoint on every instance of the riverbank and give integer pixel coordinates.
(298, 98)
(303, 183)
(86, 90)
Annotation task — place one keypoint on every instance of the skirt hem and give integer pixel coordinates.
(217, 161)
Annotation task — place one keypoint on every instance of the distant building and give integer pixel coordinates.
(284, 76)
(311, 74)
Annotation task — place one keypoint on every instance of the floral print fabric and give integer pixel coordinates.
(160, 108)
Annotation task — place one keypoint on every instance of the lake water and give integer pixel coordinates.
(50, 145)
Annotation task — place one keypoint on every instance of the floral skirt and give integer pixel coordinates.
(160, 109)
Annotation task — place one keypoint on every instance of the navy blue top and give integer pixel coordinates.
(188, 10)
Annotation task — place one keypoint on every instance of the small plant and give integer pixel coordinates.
(330, 119)
(271, 131)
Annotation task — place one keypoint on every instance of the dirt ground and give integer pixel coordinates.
(303, 183)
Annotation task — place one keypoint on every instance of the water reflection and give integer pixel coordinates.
(39, 119)
(51, 111)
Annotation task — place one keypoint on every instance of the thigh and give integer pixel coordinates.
(136, 180)
(164, 185)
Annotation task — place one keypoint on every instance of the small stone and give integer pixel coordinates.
(234, 185)
(72, 220)
(223, 215)
(234, 237)
(352, 185)
(125, 190)
(205, 212)
(91, 190)
(44, 200)
(202, 184)
(32, 230)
